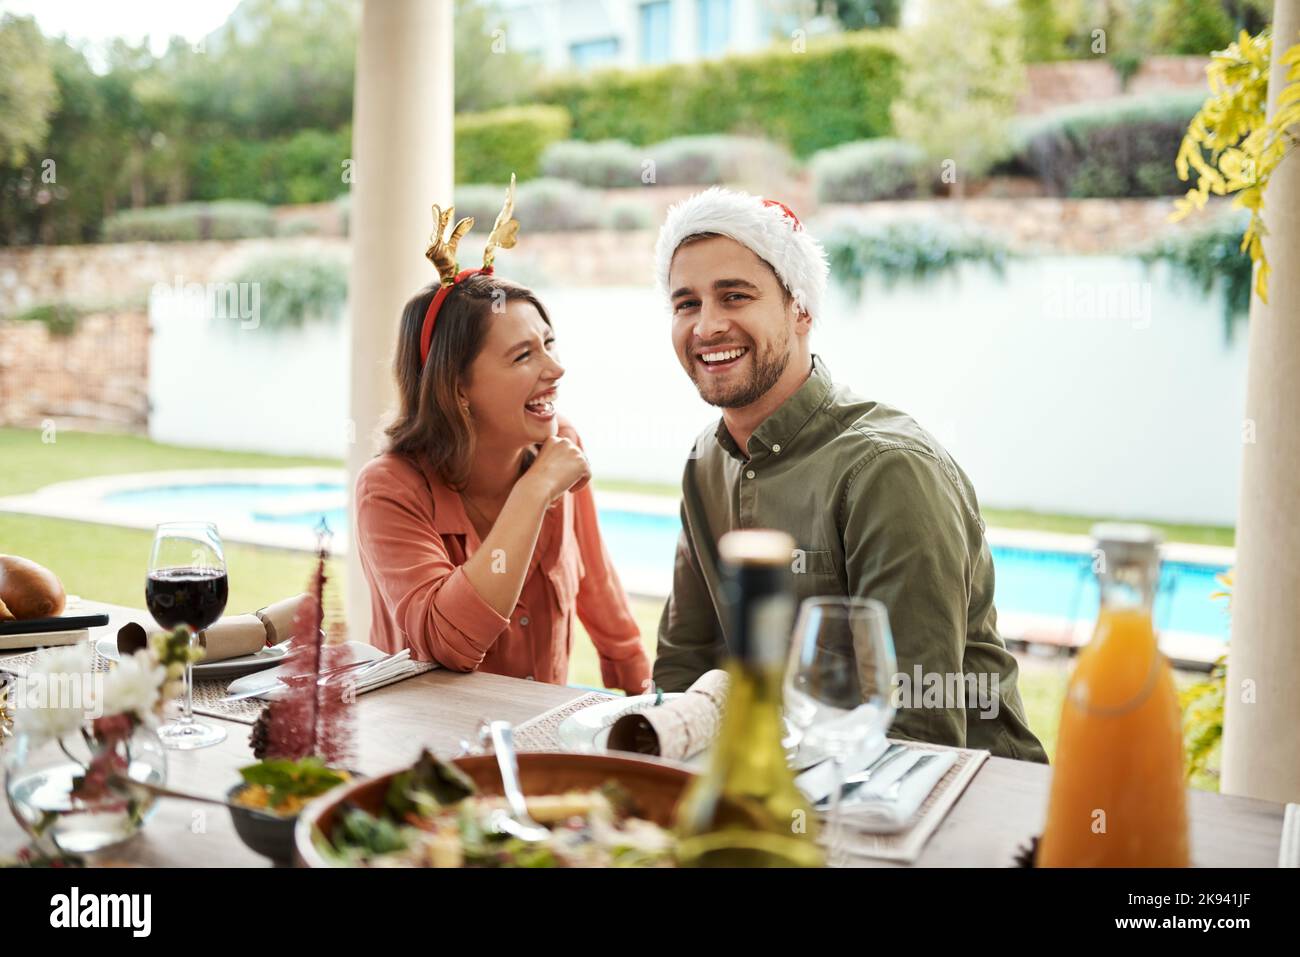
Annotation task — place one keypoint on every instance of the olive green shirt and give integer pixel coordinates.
(879, 510)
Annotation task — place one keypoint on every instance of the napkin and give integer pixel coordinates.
(233, 636)
(867, 808)
(386, 669)
(679, 729)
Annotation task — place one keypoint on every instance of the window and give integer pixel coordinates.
(656, 35)
(593, 53)
(714, 25)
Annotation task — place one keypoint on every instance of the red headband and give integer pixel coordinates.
(431, 316)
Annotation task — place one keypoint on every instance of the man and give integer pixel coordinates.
(876, 505)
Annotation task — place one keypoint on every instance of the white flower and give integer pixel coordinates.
(58, 694)
(133, 686)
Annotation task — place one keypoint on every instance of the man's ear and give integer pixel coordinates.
(802, 321)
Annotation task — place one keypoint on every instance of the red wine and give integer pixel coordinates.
(186, 596)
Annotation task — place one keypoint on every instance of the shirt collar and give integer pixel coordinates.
(449, 517)
(779, 429)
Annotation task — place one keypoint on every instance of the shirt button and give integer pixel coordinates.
(776, 448)
(749, 474)
(524, 621)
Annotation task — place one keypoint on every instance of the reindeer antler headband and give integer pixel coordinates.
(442, 253)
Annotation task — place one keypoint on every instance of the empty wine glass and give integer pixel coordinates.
(838, 685)
(187, 585)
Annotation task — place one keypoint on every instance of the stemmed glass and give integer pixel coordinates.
(187, 585)
(838, 685)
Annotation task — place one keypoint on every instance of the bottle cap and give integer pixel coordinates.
(1125, 542)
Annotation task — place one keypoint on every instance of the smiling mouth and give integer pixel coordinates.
(718, 360)
(542, 406)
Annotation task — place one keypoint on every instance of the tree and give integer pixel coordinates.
(962, 71)
(27, 91)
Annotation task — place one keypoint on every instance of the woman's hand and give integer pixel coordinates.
(559, 467)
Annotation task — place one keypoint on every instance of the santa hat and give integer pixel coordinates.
(765, 226)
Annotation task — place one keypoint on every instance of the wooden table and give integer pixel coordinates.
(1004, 805)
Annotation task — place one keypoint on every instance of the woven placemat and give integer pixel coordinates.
(905, 846)
(540, 734)
(208, 694)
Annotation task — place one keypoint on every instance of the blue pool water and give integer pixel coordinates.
(1055, 584)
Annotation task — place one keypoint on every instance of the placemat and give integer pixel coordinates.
(208, 694)
(539, 734)
(906, 846)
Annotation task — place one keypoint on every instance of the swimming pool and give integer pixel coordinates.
(1030, 581)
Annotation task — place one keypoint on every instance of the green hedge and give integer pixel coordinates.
(1108, 148)
(492, 145)
(224, 219)
(912, 251)
(839, 89)
(1209, 258)
(304, 168)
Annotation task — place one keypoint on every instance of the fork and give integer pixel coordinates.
(894, 790)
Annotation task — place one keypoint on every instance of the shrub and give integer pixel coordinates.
(293, 288)
(605, 163)
(702, 160)
(1110, 148)
(492, 145)
(306, 167)
(912, 251)
(224, 219)
(59, 318)
(1211, 260)
(837, 89)
(868, 170)
(1192, 26)
(541, 205)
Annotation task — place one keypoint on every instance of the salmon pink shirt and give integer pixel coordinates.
(413, 535)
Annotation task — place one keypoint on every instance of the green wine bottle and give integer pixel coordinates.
(745, 810)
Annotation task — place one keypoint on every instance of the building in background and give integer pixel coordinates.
(590, 34)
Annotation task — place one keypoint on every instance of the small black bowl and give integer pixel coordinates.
(270, 835)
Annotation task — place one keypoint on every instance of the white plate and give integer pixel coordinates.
(214, 670)
(588, 730)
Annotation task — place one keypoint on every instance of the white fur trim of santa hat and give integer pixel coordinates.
(767, 227)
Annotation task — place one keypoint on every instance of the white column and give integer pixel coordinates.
(402, 127)
(1261, 741)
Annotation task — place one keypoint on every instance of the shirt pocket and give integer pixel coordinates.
(814, 573)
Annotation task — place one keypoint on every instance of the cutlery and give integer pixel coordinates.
(855, 781)
(894, 790)
(516, 821)
(120, 782)
(366, 667)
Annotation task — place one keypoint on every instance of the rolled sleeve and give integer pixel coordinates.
(435, 608)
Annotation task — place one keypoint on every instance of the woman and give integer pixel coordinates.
(477, 529)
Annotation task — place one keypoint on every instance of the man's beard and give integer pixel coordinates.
(765, 370)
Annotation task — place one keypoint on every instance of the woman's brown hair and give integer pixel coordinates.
(431, 425)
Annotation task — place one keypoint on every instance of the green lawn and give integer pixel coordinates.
(107, 563)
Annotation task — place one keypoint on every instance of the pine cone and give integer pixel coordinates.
(260, 735)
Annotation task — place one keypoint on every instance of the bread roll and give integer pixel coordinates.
(28, 590)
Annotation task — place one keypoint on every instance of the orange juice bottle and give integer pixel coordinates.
(1118, 795)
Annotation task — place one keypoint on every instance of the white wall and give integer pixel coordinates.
(1079, 385)
(213, 384)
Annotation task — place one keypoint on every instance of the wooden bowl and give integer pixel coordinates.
(655, 785)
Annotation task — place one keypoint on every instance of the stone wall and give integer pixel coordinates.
(1053, 85)
(93, 378)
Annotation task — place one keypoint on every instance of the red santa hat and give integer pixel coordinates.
(767, 227)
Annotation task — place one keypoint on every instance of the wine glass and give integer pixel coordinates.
(187, 585)
(838, 684)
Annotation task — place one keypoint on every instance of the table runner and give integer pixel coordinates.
(540, 734)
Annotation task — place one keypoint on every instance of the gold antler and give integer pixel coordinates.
(442, 252)
(504, 230)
